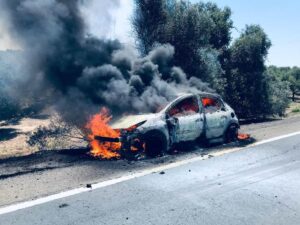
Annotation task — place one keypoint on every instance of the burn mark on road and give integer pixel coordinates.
(64, 205)
(24, 172)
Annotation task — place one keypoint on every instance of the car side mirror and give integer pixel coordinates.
(223, 109)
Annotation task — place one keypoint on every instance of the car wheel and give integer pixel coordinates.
(155, 143)
(202, 141)
(231, 134)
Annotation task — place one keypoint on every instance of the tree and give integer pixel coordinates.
(201, 35)
(247, 84)
(149, 23)
(294, 80)
(199, 32)
(278, 91)
(289, 75)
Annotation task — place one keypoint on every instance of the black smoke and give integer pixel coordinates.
(82, 72)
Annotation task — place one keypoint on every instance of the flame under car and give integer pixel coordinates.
(200, 117)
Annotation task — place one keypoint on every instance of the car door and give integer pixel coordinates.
(189, 119)
(215, 116)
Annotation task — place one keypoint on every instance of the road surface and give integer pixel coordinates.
(49, 172)
(257, 185)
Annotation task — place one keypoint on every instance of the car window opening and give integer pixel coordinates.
(188, 106)
(211, 105)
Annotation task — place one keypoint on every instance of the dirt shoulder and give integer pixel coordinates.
(272, 128)
(14, 133)
(48, 172)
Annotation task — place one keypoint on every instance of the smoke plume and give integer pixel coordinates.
(82, 73)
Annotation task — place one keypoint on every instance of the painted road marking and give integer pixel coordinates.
(27, 204)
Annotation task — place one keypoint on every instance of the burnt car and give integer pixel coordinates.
(202, 117)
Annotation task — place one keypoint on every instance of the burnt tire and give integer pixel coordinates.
(155, 143)
(231, 134)
(202, 141)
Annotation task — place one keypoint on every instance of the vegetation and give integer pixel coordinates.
(201, 35)
(57, 135)
(297, 110)
(199, 32)
(289, 75)
(247, 83)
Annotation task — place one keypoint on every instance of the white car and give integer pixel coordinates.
(203, 117)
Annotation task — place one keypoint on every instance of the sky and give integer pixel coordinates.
(278, 18)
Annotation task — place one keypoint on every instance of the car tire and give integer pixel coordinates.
(202, 141)
(155, 143)
(231, 134)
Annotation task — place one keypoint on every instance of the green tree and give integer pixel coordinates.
(279, 93)
(289, 75)
(247, 83)
(149, 23)
(200, 33)
(294, 80)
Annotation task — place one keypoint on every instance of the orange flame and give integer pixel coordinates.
(98, 126)
(243, 136)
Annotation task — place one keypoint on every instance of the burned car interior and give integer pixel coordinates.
(188, 106)
(212, 105)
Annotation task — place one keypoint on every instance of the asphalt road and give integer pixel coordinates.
(257, 185)
(50, 172)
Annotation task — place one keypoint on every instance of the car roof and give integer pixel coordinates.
(202, 94)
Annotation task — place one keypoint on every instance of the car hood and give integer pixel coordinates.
(128, 121)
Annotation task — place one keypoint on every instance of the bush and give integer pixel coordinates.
(57, 135)
(278, 95)
(297, 110)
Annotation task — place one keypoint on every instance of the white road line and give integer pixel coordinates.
(275, 138)
(76, 191)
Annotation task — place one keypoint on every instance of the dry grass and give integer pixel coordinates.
(13, 136)
(293, 109)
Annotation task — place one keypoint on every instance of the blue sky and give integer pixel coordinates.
(280, 20)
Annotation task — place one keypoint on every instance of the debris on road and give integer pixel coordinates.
(63, 205)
